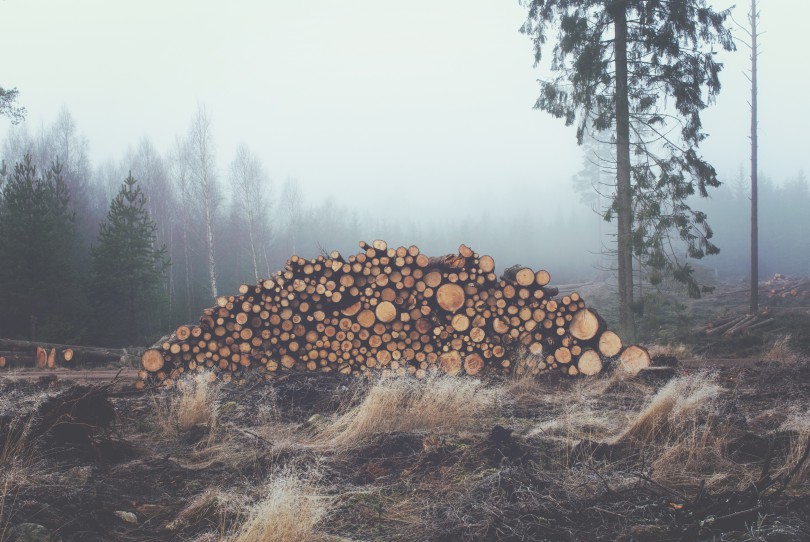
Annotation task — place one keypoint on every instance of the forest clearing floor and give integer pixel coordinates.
(688, 454)
(712, 445)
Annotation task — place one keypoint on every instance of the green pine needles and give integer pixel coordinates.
(39, 254)
(128, 270)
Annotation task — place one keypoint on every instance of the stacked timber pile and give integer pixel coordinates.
(395, 310)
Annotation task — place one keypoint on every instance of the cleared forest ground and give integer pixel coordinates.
(708, 454)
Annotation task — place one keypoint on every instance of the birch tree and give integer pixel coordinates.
(203, 179)
(252, 188)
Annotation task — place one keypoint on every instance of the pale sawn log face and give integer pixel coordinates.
(392, 310)
(633, 359)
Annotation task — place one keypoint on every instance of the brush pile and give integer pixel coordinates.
(393, 310)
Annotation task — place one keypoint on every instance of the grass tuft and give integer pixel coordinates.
(289, 512)
(797, 464)
(404, 404)
(781, 350)
(673, 411)
(195, 403)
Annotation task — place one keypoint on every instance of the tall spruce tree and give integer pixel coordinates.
(39, 256)
(128, 271)
(639, 72)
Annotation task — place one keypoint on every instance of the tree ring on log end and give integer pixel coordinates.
(152, 360)
(450, 297)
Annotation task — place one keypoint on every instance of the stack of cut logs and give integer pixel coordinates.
(393, 310)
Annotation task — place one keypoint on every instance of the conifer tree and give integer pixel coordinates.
(39, 255)
(638, 73)
(8, 106)
(128, 271)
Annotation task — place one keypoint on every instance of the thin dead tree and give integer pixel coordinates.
(292, 208)
(750, 39)
(181, 176)
(204, 181)
(251, 183)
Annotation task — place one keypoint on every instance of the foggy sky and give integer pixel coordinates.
(382, 104)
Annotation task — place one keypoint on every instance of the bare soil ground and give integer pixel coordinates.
(689, 454)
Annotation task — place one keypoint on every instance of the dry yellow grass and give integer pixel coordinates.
(797, 464)
(194, 403)
(683, 435)
(583, 417)
(781, 350)
(211, 503)
(19, 468)
(672, 412)
(289, 512)
(405, 404)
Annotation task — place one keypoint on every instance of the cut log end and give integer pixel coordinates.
(460, 323)
(633, 359)
(473, 364)
(486, 264)
(183, 333)
(386, 312)
(450, 363)
(585, 325)
(366, 318)
(152, 360)
(589, 363)
(450, 297)
(610, 344)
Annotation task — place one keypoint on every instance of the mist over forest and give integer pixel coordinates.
(570, 239)
(231, 210)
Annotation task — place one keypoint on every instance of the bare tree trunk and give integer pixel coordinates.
(266, 259)
(754, 212)
(623, 184)
(209, 227)
(205, 179)
(189, 291)
(253, 246)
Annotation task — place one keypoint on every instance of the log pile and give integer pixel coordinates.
(42, 355)
(787, 291)
(738, 324)
(393, 310)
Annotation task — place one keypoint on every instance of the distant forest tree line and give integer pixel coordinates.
(118, 253)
